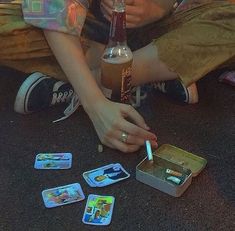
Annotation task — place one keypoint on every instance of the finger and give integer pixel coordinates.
(105, 14)
(130, 2)
(115, 143)
(106, 9)
(136, 131)
(130, 146)
(133, 9)
(119, 145)
(108, 3)
(139, 128)
(133, 21)
(131, 139)
(131, 26)
(126, 148)
(130, 112)
(136, 140)
(108, 17)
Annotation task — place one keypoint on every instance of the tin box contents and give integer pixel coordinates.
(167, 174)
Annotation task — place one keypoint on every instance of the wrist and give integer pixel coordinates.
(91, 104)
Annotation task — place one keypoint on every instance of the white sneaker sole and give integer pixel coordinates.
(25, 90)
(193, 93)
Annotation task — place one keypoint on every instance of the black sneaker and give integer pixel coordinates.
(10, 82)
(38, 92)
(176, 90)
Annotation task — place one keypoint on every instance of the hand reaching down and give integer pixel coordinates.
(112, 124)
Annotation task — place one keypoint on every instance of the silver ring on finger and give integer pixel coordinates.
(124, 137)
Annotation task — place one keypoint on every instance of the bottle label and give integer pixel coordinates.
(126, 85)
(117, 78)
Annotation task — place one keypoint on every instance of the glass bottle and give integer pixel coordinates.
(116, 63)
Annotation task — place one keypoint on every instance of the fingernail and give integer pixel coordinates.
(155, 144)
(154, 138)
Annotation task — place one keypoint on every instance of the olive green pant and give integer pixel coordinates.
(192, 43)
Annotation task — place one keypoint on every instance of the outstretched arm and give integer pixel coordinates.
(140, 12)
(109, 118)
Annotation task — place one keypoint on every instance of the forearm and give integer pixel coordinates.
(68, 51)
(108, 118)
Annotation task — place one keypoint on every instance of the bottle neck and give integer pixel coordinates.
(117, 32)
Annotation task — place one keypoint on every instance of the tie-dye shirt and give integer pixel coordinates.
(66, 16)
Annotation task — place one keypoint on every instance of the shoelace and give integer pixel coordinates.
(160, 86)
(61, 97)
(73, 106)
(75, 103)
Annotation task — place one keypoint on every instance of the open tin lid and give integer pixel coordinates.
(181, 157)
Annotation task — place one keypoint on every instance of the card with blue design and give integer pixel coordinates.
(106, 175)
(91, 182)
(62, 195)
(53, 161)
(98, 210)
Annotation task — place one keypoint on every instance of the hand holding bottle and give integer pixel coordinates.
(140, 12)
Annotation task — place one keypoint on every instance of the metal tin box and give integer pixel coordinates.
(169, 157)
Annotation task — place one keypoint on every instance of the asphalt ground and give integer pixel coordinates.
(205, 129)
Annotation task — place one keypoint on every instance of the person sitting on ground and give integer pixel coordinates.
(171, 50)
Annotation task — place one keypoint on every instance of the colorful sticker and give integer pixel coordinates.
(99, 210)
(62, 195)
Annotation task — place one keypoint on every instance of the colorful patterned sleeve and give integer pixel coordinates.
(66, 16)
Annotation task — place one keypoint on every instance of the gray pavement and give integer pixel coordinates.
(205, 129)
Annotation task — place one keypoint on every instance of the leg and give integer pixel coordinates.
(206, 44)
(194, 54)
(25, 48)
(147, 67)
